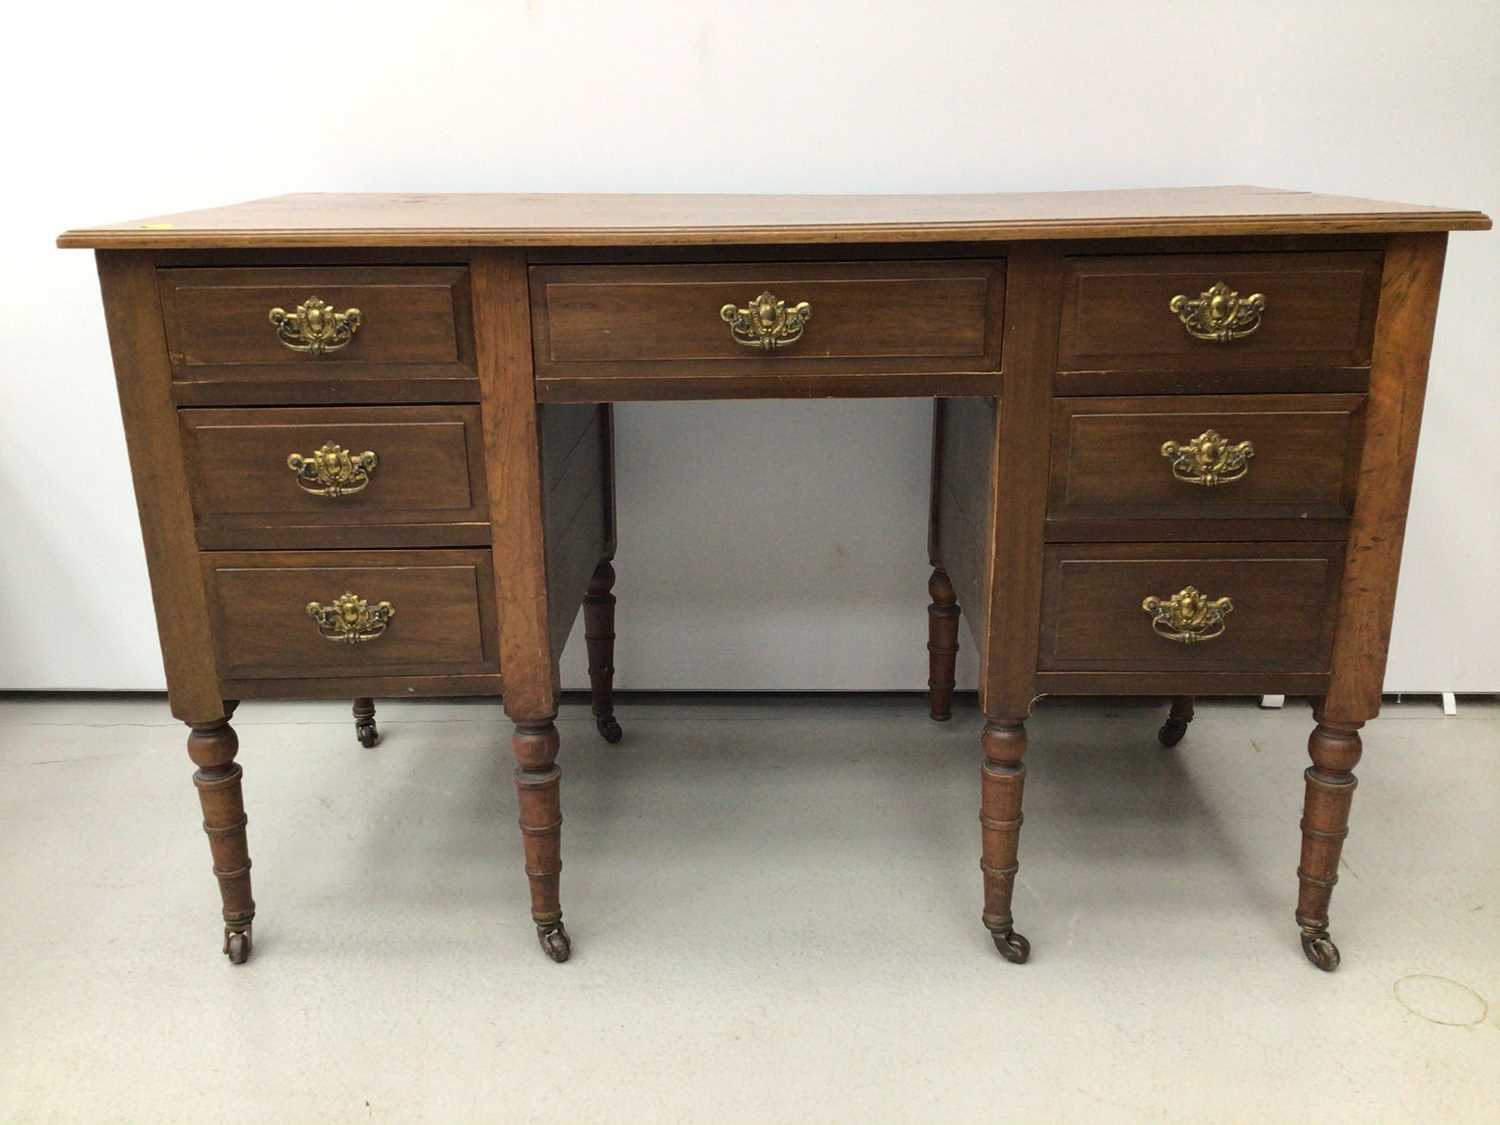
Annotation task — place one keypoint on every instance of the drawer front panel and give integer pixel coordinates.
(442, 620)
(1318, 310)
(1280, 615)
(621, 321)
(412, 322)
(1231, 457)
(427, 468)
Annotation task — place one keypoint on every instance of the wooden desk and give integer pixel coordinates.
(1173, 450)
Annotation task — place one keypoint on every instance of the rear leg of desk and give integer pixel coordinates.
(599, 635)
(364, 722)
(1177, 721)
(942, 645)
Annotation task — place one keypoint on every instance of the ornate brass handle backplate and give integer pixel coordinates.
(315, 327)
(1208, 459)
(1219, 313)
(1188, 616)
(350, 619)
(332, 471)
(768, 323)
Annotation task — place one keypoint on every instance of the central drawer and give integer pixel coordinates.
(345, 476)
(289, 614)
(767, 321)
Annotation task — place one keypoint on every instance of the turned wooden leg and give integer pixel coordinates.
(537, 789)
(599, 634)
(1177, 721)
(1335, 750)
(942, 645)
(364, 722)
(1002, 779)
(212, 747)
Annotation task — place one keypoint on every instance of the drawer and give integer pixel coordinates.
(1279, 615)
(1205, 457)
(335, 323)
(835, 319)
(1165, 312)
(416, 613)
(336, 476)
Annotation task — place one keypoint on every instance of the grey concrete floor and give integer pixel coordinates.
(774, 907)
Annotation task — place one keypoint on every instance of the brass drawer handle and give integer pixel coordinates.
(351, 619)
(332, 470)
(1219, 313)
(1208, 459)
(315, 327)
(1188, 616)
(768, 323)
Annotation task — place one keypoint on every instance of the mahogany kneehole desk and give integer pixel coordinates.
(1173, 447)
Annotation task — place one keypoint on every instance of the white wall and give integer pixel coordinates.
(763, 545)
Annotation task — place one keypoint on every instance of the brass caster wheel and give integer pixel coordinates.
(367, 733)
(1321, 951)
(609, 728)
(1171, 732)
(237, 946)
(555, 942)
(1012, 946)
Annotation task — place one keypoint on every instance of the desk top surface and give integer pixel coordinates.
(381, 220)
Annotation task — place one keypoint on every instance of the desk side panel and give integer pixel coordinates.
(963, 468)
(502, 337)
(143, 372)
(577, 494)
(1018, 491)
(1409, 284)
